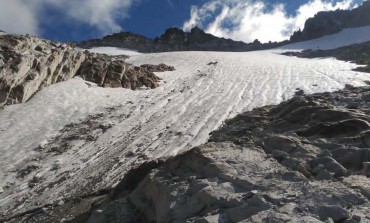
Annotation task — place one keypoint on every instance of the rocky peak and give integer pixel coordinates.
(326, 23)
(122, 40)
(175, 39)
(199, 36)
(171, 36)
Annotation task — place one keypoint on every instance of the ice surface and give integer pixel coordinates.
(192, 101)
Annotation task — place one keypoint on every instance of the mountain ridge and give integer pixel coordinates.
(175, 39)
(330, 22)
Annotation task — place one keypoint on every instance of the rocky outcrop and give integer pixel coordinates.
(121, 40)
(356, 53)
(28, 64)
(113, 71)
(326, 23)
(175, 39)
(261, 166)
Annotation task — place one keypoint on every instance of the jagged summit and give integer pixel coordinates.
(175, 39)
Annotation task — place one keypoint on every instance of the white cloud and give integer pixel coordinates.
(249, 20)
(26, 16)
(17, 17)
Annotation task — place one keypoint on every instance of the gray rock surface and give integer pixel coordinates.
(256, 168)
(28, 64)
(338, 214)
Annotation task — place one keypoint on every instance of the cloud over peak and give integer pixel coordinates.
(253, 19)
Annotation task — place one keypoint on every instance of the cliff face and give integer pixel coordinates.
(28, 64)
(326, 23)
(175, 39)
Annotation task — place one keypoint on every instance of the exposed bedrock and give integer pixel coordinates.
(258, 167)
(28, 64)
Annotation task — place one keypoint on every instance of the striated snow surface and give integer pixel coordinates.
(191, 102)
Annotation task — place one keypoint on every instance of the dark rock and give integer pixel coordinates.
(254, 206)
(175, 39)
(346, 127)
(350, 158)
(330, 165)
(157, 68)
(326, 23)
(324, 175)
(338, 214)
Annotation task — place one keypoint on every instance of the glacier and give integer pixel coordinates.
(205, 89)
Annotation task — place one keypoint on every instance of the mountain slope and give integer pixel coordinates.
(75, 144)
(75, 139)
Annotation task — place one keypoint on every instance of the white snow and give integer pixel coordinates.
(114, 51)
(191, 102)
(343, 38)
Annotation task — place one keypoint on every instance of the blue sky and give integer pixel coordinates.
(85, 19)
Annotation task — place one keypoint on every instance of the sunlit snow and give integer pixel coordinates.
(191, 101)
(114, 51)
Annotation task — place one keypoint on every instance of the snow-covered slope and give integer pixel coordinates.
(114, 51)
(344, 38)
(205, 89)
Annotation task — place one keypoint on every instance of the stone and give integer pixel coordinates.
(254, 206)
(338, 214)
(324, 175)
(347, 127)
(357, 218)
(366, 97)
(306, 219)
(1, 190)
(330, 164)
(350, 221)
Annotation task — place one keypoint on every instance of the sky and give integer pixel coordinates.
(244, 20)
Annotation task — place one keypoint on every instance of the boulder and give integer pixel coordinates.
(336, 213)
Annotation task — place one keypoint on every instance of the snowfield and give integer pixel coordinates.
(343, 38)
(191, 101)
(114, 51)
